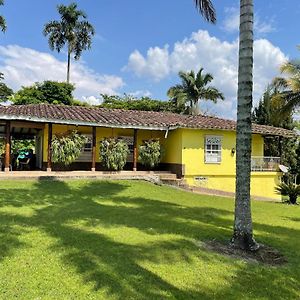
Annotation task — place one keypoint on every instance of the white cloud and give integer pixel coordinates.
(232, 22)
(217, 57)
(140, 93)
(24, 66)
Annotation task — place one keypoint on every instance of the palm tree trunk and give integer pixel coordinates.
(69, 64)
(243, 232)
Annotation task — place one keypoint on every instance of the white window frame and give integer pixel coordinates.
(212, 154)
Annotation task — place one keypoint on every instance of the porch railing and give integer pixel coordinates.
(264, 163)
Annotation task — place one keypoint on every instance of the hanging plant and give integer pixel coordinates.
(67, 148)
(113, 153)
(150, 153)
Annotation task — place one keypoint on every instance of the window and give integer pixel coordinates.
(129, 141)
(213, 149)
(86, 154)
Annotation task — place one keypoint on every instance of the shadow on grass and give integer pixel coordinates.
(117, 267)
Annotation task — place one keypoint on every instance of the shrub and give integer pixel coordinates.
(113, 153)
(150, 153)
(289, 189)
(66, 148)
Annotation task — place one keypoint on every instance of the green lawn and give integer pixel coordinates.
(134, 240)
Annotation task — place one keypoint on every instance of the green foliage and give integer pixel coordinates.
(113, 153)
(193, 88)
(17, 145)
(5, 91)
(268, 113)
(150, 153)
(145, 103)
(52, 92)
(289, 189)
(67, 148)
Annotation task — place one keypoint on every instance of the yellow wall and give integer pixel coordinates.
(221, 176)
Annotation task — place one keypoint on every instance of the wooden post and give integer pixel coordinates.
(49, 158)
(7, 147)
(135, 150)
(94, 149)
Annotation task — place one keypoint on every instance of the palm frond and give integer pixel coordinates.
(2, 24)
(206, 9)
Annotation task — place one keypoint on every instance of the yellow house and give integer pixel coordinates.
(199, 149)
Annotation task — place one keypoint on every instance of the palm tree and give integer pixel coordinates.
(243, 229)
(193, 89)
(289, 87)
(73, 29)
(2, 20)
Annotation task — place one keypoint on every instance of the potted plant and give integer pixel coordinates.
(113, 153)
(150, 153)
(66, 148)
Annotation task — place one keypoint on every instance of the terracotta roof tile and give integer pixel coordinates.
(127, 118)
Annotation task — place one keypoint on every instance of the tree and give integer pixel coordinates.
(144, 103)
(2, 20)
(268, 113)
(289, 86)
(72, 30)
(243, 228)
(5, 91)
(52, 92)
(194, 87)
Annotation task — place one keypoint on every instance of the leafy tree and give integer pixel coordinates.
(72, 30)
(52, 92)
(5, 91)
(2, 20)
(144, 103)
(194, 88)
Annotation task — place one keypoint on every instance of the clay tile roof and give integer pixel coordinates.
(124, 118)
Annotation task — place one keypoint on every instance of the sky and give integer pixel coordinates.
(140, 46)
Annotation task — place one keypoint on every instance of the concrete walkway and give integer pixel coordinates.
(152, 176)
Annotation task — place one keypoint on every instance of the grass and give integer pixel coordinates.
(133, 240)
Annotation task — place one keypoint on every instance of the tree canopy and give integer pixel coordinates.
(2, 20)
(144, 103)
(5, 91)
(194, 88)
(52, 92)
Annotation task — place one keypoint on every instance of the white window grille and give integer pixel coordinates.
(213, 149)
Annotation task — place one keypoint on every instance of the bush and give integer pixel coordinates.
(67, 148)
(113, 153)
(289, 189)
(150, 153)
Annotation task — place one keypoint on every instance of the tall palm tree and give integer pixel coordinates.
(194, 87)
(243, 229)
(2, 20)
(72, 30)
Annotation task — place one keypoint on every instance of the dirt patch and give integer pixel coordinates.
(265, 255)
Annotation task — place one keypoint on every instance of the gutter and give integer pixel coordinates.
(82, 123)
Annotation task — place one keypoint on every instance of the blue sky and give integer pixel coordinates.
(141, 45)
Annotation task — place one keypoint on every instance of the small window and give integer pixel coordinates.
(86, 153)
(213, 149)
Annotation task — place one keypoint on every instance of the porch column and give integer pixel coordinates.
(49, 158)
(94, 149)
(135, 135)
(7, 146)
